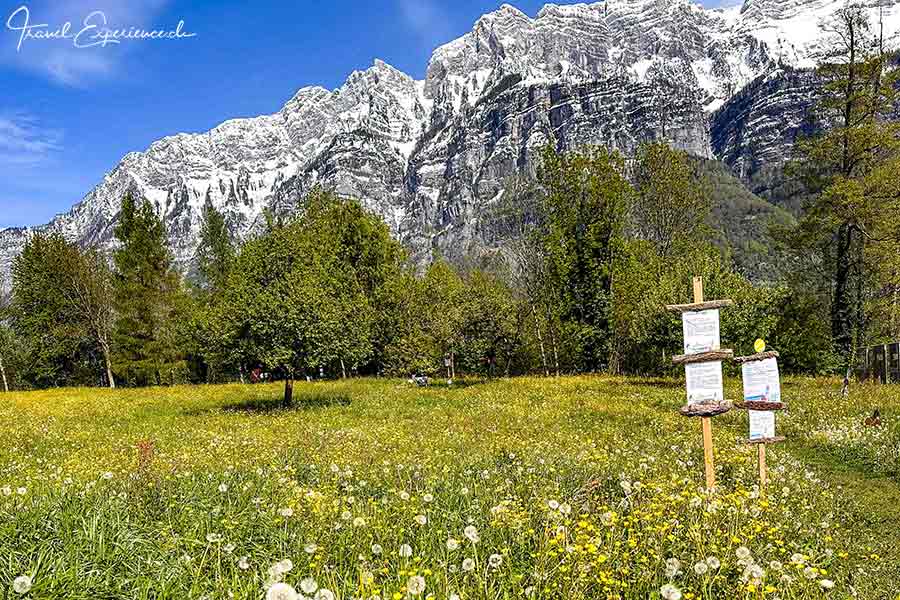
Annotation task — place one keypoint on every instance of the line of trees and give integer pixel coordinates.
(594, 247)
(579, 287)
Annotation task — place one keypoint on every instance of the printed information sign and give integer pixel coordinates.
(701, 331)
(704, 382)
(762, 424)
(761, 382)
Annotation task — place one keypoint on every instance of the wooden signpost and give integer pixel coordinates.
(762, 397)
(702, 360)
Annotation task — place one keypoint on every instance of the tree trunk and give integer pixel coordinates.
(540, 337)
(104, 347)
(343, 370)
(552, 333)
(241, 373)
(288, 392)
(452, 366)
(841, 321)
(3, 373)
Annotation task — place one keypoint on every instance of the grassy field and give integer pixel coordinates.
(576, 488)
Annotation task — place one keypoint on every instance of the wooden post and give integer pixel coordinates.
(887, 364)
(706, 421)
(763, 479)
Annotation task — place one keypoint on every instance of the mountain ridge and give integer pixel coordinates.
(424, 154)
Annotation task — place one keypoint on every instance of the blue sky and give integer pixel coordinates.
(67, 115)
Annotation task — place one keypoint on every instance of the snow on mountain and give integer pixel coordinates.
(429, 155)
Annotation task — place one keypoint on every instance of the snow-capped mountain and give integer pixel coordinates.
(430, 155)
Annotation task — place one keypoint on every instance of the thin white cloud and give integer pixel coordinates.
(25, 142)
(59, 60)
(427, 19)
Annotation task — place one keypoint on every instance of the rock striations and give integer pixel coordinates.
(430, 155)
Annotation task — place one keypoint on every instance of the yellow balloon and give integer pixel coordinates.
(759, 346)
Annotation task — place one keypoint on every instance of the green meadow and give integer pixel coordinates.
(577, 488)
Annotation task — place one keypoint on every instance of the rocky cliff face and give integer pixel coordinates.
(428, 155)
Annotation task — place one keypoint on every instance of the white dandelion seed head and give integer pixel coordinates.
(416, 585)
(468, 565)
(283, 566)
(743, 552)
(22, 584)
(495, 560)
(701, 568)
(753, 574)
(243, 564)
(713, 562)
(359, 522)
(670, 592)
(286, 512)
(223, 487)
(428, 498)
(810, 573)
(281, 591)
(308, 585)
(421, 519)
(405, 550)
(826, 584)
(310, 548)
(377, 549)
(324, 594)
(471, 534)
(673, 567)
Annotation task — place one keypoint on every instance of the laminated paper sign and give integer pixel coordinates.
(704, 382)
(701, 331)
(761, 382)
(762, 424)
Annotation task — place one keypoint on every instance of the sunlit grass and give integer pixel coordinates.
(577, 488)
